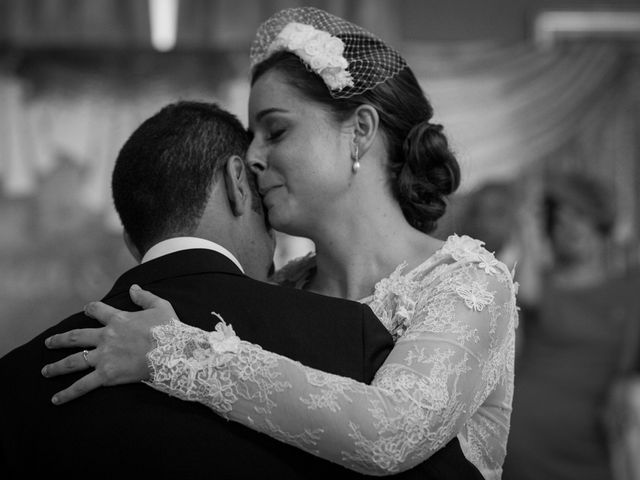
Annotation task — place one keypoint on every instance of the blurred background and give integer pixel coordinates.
(528, 91)
(523, 87)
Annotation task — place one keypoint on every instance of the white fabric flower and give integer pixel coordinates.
(313, 48)
(224, 339)
(464, 247)
(316, 63)
(334, 47)
(321, 51)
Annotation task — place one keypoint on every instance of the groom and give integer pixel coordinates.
(193, 220)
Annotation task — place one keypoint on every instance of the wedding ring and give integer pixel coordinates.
(85, 355)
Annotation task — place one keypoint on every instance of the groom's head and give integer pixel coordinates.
(182, 173)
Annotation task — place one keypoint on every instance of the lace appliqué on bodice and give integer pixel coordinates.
(450, 373)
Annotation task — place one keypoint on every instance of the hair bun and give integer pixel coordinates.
(430, 173)
(436, 127)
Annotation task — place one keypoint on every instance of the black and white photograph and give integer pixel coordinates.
(286, 239)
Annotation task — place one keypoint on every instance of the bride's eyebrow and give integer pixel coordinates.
(267, 111)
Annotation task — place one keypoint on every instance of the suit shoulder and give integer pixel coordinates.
(26, 350)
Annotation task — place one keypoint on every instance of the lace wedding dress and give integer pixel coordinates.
(450, 372)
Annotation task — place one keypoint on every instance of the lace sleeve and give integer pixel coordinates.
(441, 369)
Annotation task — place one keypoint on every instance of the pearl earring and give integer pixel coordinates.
(356, 160)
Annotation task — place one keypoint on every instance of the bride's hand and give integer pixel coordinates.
(121, 346)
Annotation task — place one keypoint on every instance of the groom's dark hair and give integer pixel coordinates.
(164, 172)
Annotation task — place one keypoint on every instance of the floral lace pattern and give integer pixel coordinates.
(450, 373)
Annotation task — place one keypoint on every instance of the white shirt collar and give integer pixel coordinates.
(177, 244)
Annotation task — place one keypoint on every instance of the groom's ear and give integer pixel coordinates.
(237, 185)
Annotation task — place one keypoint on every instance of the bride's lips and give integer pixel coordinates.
(266, 192)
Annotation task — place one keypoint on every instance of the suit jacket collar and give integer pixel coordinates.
(184, 262)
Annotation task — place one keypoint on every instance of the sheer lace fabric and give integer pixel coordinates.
(450, 373)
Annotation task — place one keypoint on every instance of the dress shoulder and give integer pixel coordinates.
(457, 252)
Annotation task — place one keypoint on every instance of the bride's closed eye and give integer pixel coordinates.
(274, 127)
(275, 134)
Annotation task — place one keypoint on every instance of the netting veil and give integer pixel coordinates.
(370, 60)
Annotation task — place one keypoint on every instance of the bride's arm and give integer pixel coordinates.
(435, 378)
(439, 372)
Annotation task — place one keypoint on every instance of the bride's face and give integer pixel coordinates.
(301, 156)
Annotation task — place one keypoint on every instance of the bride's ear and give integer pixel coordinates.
(236, 184)
(366, 122)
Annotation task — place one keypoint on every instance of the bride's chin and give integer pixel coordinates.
(282, 223)
(275, 220)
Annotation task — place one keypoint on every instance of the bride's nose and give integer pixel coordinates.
(256, 161)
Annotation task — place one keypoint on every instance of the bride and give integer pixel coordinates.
(345, 154)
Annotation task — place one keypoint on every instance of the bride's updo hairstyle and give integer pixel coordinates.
(341, 66)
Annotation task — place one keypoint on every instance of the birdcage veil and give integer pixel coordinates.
(369, 61)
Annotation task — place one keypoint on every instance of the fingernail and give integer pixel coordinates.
(135, 287)
(47, 342)
(87, 308)
(55, 400)
(44, 371)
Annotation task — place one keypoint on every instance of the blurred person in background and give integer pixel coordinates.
(578, 332)
(489, 214)
(346, 154)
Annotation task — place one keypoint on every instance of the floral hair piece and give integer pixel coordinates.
(349, 59)
(321, 51)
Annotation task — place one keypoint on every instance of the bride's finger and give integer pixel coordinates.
(102, 312)
(89, 382)
(82, 337)
(146, 299)
(72, 363)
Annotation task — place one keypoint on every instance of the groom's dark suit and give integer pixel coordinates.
(132, 430)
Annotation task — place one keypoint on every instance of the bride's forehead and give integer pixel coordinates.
(272, 85)
(275, 93)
